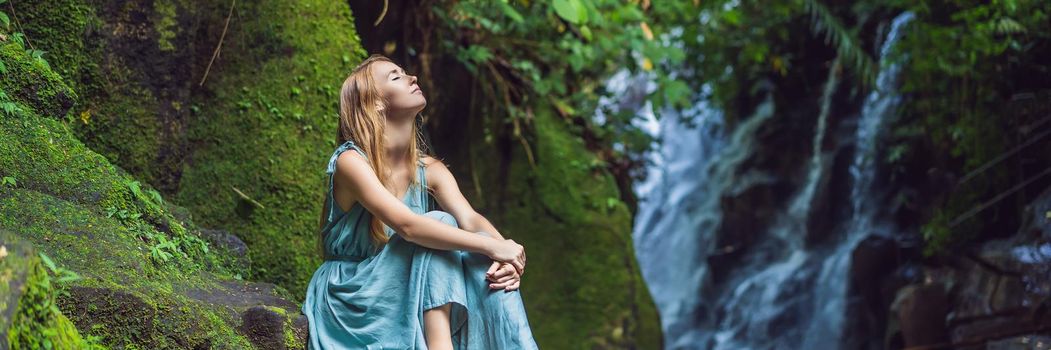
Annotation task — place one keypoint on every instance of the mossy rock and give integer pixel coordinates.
(244, 152)
(29, 318)
(582, 288)
(148, 279)
(264, 135)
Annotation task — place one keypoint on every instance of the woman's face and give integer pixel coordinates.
(398, 87)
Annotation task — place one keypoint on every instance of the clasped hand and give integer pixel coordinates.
(503, 275)
(508, 266)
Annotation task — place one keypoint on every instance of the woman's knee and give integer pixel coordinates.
(450, 220)
(443, 217)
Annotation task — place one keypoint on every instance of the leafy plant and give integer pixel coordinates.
(845, 41)
(122, 214)
(975, 56)
(556, 52)
(163, 248)
(7, 106)
(5, 21)
(62, 275)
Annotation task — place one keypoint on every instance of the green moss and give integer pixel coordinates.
(94, 219)
(30, 81)
(49, 159)
(582, 288)
(259, 137)
(112, 257)
(165, 24)
(104, 53)
(244, 128)
(37, 321)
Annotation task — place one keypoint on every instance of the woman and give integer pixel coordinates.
(397, 274)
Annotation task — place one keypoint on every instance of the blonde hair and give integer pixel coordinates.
(362, 123)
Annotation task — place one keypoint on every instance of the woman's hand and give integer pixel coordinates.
(503, 275)
(508, 251)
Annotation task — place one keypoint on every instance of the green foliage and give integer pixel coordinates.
(965, 59)
(936, 233)
(558, 52)
(573, 11)
(7, 106)
(5, 21)
(38, 323)
(62, 275)
(562, 53)
(845, 41)
(162, 247)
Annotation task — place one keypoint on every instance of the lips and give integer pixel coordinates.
(417, 89)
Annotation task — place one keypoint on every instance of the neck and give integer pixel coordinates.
(399, 135)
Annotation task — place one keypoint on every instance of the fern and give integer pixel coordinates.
(843, 40)
(5, 21)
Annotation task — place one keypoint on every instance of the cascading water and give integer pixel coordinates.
(826, 328)
(684, 194)
(768, 291)
(784, 294)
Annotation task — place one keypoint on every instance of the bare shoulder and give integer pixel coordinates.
(436, 170)
(432, 163)
(352, 167)
(350, 159)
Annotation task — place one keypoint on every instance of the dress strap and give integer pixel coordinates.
(345, 146)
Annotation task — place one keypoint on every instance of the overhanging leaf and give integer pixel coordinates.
(572, 11)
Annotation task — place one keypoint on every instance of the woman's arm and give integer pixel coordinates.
(355, 174)
(448, 195)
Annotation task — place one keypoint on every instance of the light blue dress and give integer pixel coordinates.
(359, 299)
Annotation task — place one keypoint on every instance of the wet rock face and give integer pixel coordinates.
(113, 309)
(745, 217)
(266, 328)
(1002, 291)
(135, 60)
(920, 311)
(1040, 218)
(996, 296)
(229, 242)
(263, 327)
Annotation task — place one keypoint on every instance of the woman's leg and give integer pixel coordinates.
(436, 328)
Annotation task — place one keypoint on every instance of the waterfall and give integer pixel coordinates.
(783, 294)
(678, 203)
(826, 328)
(769, 294)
